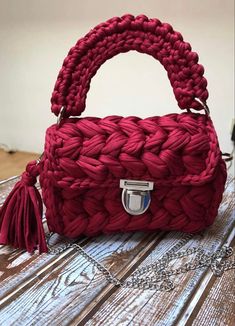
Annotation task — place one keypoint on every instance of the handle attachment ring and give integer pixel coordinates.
(205, 106)
(61, 115)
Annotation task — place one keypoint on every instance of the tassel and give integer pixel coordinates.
(21, 214)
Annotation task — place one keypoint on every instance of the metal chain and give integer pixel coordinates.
(160, 271)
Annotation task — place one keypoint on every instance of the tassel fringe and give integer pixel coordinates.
(21, 214)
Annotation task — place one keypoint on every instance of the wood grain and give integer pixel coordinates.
(58, 290)
(218, 306)
(208, 282)
(137, 307)
(18, 268)
(14, 164)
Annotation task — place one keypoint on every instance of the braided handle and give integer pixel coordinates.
(121, 34)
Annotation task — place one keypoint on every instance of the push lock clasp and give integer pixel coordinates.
(136, 195)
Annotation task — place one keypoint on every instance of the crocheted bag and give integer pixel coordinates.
(121, 174)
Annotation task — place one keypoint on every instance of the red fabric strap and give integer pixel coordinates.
(121, 34)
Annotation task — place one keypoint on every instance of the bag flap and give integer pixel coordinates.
(175, 149)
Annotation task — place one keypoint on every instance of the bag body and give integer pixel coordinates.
(119, 174)
(84, 160)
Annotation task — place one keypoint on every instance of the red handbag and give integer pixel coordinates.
(120, 174)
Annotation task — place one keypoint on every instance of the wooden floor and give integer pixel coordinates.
(68, 290)
(14, 164)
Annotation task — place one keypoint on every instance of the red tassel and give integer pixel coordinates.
(21, 214)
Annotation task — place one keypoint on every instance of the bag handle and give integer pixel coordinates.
(122, 34)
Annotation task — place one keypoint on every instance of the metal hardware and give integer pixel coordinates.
(40, 158)
(205, 106)
(61, 114)
(159, 272)
(136, 195)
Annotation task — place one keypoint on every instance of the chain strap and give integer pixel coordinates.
(159, 272)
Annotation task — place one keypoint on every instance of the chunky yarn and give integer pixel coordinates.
(84, 160)
(122, 34)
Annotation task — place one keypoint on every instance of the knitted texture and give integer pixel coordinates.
(121, 34)
(84, 160)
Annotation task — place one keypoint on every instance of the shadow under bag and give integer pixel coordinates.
(119, 174)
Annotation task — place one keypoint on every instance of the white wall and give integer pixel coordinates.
(35, 36)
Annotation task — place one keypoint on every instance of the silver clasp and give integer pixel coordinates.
(136, 195)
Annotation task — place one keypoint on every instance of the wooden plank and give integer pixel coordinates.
(138, 307)
(218, 307)
(101, 297)
(206, 284)
(17, 267)
(73, 282)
